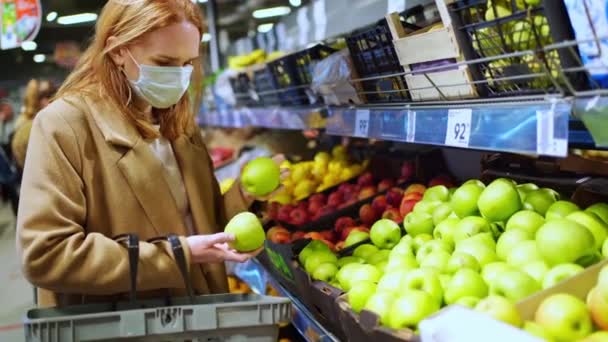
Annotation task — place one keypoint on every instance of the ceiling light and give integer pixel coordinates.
(29, 46)
(202, 1)
(295, 3)
(265, 28)
(271, 12)
(39, 58)
(77, 18)
(206, 37)
(51, 16)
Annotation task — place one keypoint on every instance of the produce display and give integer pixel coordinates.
(486, 247)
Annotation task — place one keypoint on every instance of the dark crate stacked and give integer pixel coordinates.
(242, 88)
(265, 87)
(493, 29)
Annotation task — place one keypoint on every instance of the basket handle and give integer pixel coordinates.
(132, 242)
(180, 259)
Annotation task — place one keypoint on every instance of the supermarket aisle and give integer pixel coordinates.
(16, 294)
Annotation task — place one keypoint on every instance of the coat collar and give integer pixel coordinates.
(114, 126)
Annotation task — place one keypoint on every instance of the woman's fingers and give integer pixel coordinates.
(219, 238)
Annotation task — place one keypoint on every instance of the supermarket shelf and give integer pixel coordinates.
(256, 276)
(295, 118)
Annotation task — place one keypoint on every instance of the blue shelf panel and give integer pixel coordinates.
(256, 276)
(538, 127)
(297, 118)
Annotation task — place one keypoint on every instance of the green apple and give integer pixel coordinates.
(486, 239)
(437, 193)
(500, 308)
(381, 303)
(540, 200)
(345, 273)
(532, 2)
(465, 283)
(441, 213)
(479, 251)
(381, 266)
(401, 262)
(464, 200)
(601, 210)
(416, 223)
(563, 241)
(564, 317)
(524, 189)
(476, 182)
(445, 230)
(426, 207)
(592, 222)
(411, 308)
(590, 259)
(426, 280)
(437, 260)
(497, 228)
(508, 240)
(522, 36)
(354, 237)
(514, 284)
(605, 249)
(404, 247)
(597, 302)
(498, 11)
(598, 336)
(535, 329)
(561, 209)
(248, 232)
(536, 269)
(379, 257)
(392, 281)
(261, 176)
(468, 301)
(317, 258)
(420, 240)
(314, 245)
(325, 272)
(385, 233)
(358, 274)
(359, 294)
(336, 284)
(499, 201)
(490, 271)
(559, 273)
(460, 260)
(430, 247)
(470, 226)
(526, 220)
(524, 252)
(602, 277)
(365, 251)
(343, 261)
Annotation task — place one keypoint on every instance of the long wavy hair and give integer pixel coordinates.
(97, 74)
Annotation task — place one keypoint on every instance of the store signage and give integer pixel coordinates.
(20, 21)
(459, 127)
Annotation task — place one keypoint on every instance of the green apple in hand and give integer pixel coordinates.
(514, 285)
(385, 233)
(445, 230)
(426, 280)
(441, 213)
(593, 223)
(564, 317)
(437, 193)
(559, 273)
(563, 241)
(561, 209)
(381, 303)
(365, 251)
(536, 330)
(248, 232)
(359, 294)
(492, 270)
(416, 223)
(325, 272)
(411, 308)
(499, 201)
(526, 220)
(261, 176)
(468, 301)
(392, 281)
(540, 200)
(465, 283)
(508, 240)
(499, 308)
(469, 226)
(601, 210)
(464, 200)
(460, 260)
(437, 260)
(343, 261)
(354, 237)
(536, 269)
(524, 252)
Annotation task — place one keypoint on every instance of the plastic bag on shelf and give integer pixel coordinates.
(223, 89)
(331, 79)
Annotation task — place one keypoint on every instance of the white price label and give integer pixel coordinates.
(410, 128)
(362, 123)
(396, 6)
(546, 143)
(458, 131)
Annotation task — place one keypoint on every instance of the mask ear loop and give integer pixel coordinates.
(124, 72)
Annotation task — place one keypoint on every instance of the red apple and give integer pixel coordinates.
(335, 199)
(284, 213)
(380, 204)
(420, 188)
(366, 192)
(343, 223)
(313, 236)
(348, 230)
(314, 207)
(412, 196)
(442, 180)
(407, 206)
(302, 206)
(281, 237)
(298, 217)
(326, 210)
(393, 214)
(275, 230)
(385, 184)
(408, 169)
(368, 215)
(394, 196)
(366, 179)
(328, 235)
(273, 210)
(298, 235)
(350, 192)
(318, 198)
(339, 245)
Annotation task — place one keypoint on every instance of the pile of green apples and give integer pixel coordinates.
(482, 247)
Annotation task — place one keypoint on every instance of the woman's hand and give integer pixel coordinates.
(278, 159)
(214, 249)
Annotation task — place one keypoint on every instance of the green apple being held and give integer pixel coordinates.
(381, 303)
(561, 209)
(500, 308)
(261, 176)
(248, 232)
(469, 226)
(524, 252)
(464, 200)
(559, 273)
(509, 239)
(359, 294)
(416, 223)
(465, 283)
(445, 230)
(564, 317)
(411, 308)
(365, 251)
(540, 200)
(601, 210)
(563, 241)
(385, 233)
(536, 269)
(514, 284)
(499, 201)
(593, 223)
(426, 280)
(325, 272)
(526, 220)
(460, 260)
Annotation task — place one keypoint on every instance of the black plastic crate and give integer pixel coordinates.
(242, 89)
(293, 73)
(265, 88)
(498, 30)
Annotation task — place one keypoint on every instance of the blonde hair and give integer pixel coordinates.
(97, 74)
(34, 93)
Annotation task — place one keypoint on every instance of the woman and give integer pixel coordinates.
(37, 97)
(118, 152)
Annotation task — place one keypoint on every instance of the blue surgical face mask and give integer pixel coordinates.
(162, 87)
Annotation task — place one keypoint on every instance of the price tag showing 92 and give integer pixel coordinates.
(458, 130)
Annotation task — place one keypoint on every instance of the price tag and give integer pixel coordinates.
(410, 128)
(458, 132)
(362, 123)
(546, 143)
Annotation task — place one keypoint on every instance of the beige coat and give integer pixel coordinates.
(88, 177)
